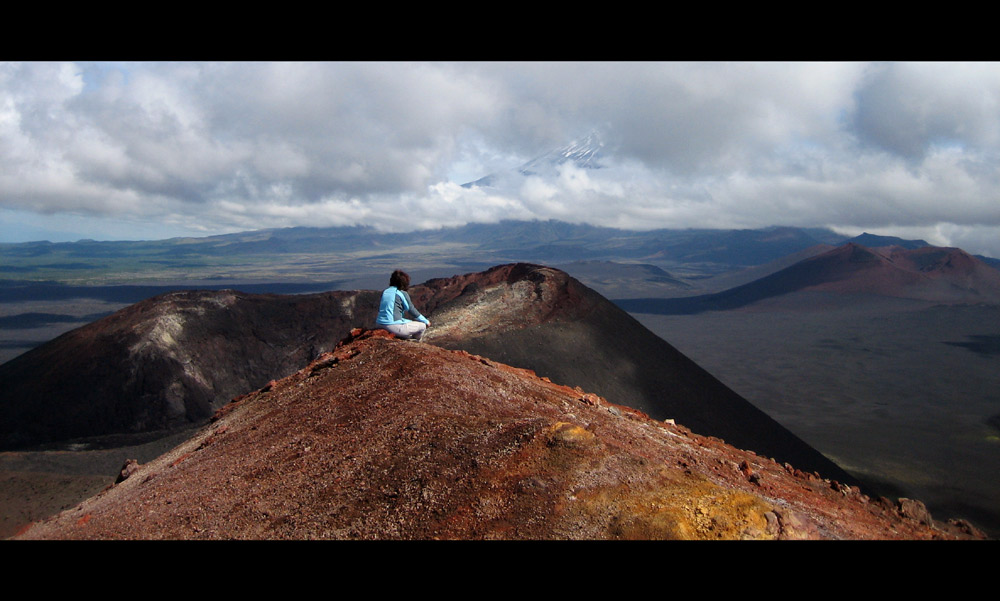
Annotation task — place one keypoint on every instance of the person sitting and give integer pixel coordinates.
(395, 304)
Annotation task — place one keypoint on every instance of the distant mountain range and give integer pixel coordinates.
(473, 245)
(619, 263)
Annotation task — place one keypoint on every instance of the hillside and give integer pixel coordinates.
(173, 360)
(167, 362)
(946, 275)
(542, 319)
(387, 439)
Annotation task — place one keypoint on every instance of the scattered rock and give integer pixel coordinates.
(965, 527)
(773, 525)
(794, 526)
(915, 510)
(749, 473)
(130, 467)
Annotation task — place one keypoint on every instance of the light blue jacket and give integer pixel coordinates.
(394, 304)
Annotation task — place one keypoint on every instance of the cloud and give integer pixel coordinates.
(214, 147)
(908, 109)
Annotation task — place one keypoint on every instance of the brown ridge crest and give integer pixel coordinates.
(386, 439)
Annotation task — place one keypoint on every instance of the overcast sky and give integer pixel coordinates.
(157, 150)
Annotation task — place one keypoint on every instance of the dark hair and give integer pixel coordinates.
(400, 279)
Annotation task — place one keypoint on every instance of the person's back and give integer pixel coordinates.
(394, 304)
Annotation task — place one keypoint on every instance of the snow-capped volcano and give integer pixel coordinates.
(584, 153)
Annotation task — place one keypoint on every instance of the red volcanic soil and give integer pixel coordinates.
(389, 439)
(541, 319)
(172, 360)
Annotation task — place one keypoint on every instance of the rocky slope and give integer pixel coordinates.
(388, 439)
(174, 359)
(168, 361)
(541, 319)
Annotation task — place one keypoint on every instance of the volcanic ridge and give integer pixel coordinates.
(389, 439)
(172, 360)
(473, 434)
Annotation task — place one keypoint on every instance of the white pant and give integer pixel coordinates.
(410, 329)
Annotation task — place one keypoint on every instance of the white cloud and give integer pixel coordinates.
(224, 146)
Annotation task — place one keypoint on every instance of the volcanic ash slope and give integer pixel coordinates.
(389, 439)
(542, 319)
(173, 360)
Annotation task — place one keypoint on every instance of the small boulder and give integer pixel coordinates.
(915, 510)
(130, 467)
